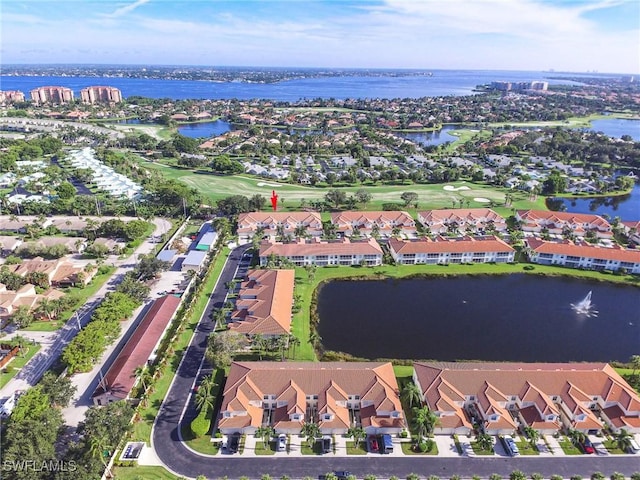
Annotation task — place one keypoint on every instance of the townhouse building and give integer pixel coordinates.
(294, 224)
(335, 395)
(443, 250)
(383, 224)
(582, 255)
(461, 221)
(503, 397)
(555, 223)
(316, 252)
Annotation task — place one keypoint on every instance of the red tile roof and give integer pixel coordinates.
(585, 250)
(315, 248)
(449, 245)
(120, 377)
(546, 216)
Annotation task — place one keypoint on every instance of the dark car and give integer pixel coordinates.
(342, 474)
(326, 444)
(373, 444)
(234, 443)
(587, 446)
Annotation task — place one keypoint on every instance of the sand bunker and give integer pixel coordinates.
(481, 200)
(264, 184)
(451, 188)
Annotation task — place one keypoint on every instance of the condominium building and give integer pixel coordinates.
(11, 96)
(315, 252)
(100, 94)
(451, 250)
(57, 95)
(556, 223)
(381, 223)
(460, 221)
(293, 224)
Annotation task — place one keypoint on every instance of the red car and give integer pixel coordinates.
(373, 444)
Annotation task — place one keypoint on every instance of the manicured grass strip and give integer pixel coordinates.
(14, 366)
(403, 372)
(360, 450)
(612, 447)
(202, 444)
(407, 449)
(142, 429)
(148, 473)
(525, 448)
(479, 450)
(568, 447)
(44, 326)
(261, 450)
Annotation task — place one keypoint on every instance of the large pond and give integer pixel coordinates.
(617, 127)
(511, 318)
(437, 137)
(204, 129)
(627, 207)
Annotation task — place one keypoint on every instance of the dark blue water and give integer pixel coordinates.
(617, 127)
(205, 129)
(442, 83)
(432, 138)
(511, 317)
(627, 207)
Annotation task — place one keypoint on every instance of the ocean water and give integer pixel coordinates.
(441, 83)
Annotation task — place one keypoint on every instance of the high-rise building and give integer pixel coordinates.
(58, 95)
(11, 96)
(101, 95)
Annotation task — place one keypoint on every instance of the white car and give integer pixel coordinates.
(282, 443)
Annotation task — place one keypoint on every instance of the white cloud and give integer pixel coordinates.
(119, 12)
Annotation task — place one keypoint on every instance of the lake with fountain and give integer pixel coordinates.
(480, 317)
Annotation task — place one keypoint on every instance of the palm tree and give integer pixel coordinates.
(143, 375)
(47, 308)
(357, 433)
(411, 394)
(623, 440)
(314, 338)
(577, 437)
(310, 430)
(424, 421)
(635, 363)
(260, 344)
(265, 432)
(293, 342)
(532, 434)
(204, 399)
(98, 448)
(485, 442)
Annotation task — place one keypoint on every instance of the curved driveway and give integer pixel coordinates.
(179, 459)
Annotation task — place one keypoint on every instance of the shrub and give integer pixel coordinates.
(517, 475)
(617, 476)
(597, 476)
(200, 424)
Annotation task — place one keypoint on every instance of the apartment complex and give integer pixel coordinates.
(100, 94)
(335, 395)
(443, 250)
(582, 255)
(293, 224)
(316, 252)
(503, 397)
(461, 221)
(55, 95)
(264, 303)
(26, 295)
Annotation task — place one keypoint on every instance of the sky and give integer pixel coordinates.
(564, 35)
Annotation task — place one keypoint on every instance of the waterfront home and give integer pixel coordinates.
(503, 397)
(443, 250)
(335, 395)
(582, 255)
(316, 252)
(460, 221)
(381, 223)
(264, 303)
(270, 224)
(555, 223)
(632, 230)
(141, 348)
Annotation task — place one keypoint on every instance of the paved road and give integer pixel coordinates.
(182, 461)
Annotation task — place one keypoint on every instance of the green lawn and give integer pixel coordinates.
(201, 444)
(360, 450)
(612, 447)
(480, 451)
(403, 373)
(13, 367)
(525, 448)
(44, 326)
(568, 447)
(407, 449)
(261, 450)
(146, 473)
(142, 428)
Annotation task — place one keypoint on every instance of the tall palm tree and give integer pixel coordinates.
(357, 433)
(635, 363)
(532, 434)
(265, 432)
(411, 394)
(485, 442)
(143, 374)
(576, 436)
(293, 342)
(623, 440)
(311, 430)
(98, 447)
(204, 399)
(424, 421)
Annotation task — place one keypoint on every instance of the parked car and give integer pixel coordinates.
(509, 445)
(587, 447)
(342, 474)
(282, 442)
(633, 446)
(326, 444)
(386, 445)
(234, 443)
(374, 446)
